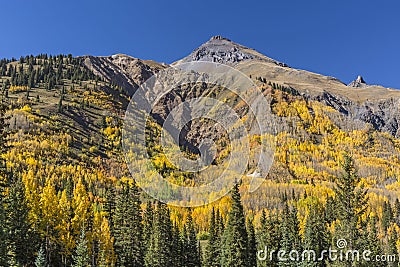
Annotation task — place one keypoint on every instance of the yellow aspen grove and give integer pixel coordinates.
(65, 238)
(80, 206)
(32, 196)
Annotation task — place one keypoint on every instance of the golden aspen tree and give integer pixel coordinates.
(80, 206)
(65, 237)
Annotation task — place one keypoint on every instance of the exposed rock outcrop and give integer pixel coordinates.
(359, 82)
(122, 70)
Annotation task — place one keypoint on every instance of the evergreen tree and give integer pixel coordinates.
(373, 244)
(315, 237)
(330, 209)
(387, 215)
(212, 255)
(3, 235)
(252, 244)
(269, 236)
(191, 258)
(109, 206)
(40, 260)
(235, 240)
(397, 211)
(351, 203)
(81, 257)
(159, 253)
(219, 224)
(22, 240)
(178, 247)
(148, 226)
(128, 227)
(60, 105)
(262, 237)
(290, 239)
(392, 246)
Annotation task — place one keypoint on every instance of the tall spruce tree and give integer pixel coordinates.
(147, 226)
(262, 237)
(3, 234)
(191, 257)
(392, 246)
(219, 223)
(316, 238)
(387, 215)
(252, 243)
(81, 257)
(351, 203)
(212, 254)
(373, 244)
(128, 227)
(22, 240)
(159, 253)
(235, 252)
(109, 206)
(178, 247)
(290, 239)
(397, 211)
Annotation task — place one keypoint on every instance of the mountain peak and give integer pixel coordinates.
(219, 37)
(360, 79)
(359, 82)
(222, 50)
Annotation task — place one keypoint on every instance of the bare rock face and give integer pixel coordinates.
(382, 115)
(359, 82)
(122, 70)
(222, 50)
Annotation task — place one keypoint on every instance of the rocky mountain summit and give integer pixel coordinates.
(222, 50)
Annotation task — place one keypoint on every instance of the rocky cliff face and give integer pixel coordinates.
(383, 115)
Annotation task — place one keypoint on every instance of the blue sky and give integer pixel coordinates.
(338, 38)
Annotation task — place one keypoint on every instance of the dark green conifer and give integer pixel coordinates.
(315, 237)
(22, 240)
(160, 253)
(212, 254)
(191, 255)
(235, 240)
(128, 227)
(252, 244)
(351, 203)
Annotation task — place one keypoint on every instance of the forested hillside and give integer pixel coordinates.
(68, 199)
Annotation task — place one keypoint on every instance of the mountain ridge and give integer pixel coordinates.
(371, 104)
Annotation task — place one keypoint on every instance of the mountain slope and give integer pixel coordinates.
(319, 116)
(371, 104)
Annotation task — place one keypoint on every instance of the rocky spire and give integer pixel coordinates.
(359, 82)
